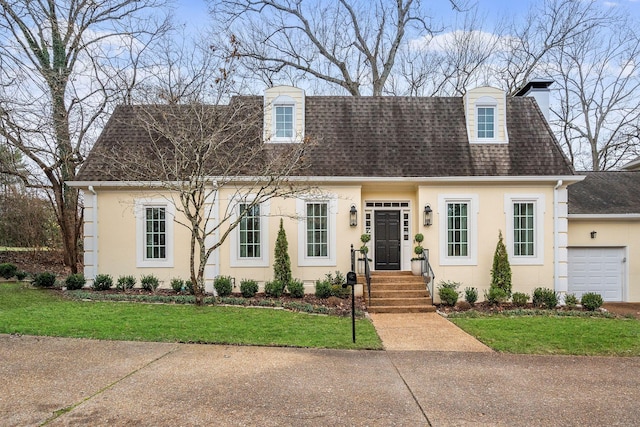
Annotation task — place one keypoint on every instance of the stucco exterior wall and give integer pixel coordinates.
(617, 233)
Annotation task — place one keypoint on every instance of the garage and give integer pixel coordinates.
(599, 270)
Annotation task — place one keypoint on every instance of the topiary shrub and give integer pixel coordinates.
(501, 271)
(102, 282)
(44, 280)
(296, 288)
(125, 283)
(274, 289)
(248, 288)
(282, 262)
(149, 283)
(591, 301)
(75, 281)
(496, 295)
(571, 300)
(8, 270)
(471, 295)
(519, 299)
(448, 293)
(223, 286)
(177, 285)
(323, 288)
(545, 298)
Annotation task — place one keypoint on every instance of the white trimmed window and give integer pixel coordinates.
(249, 241)
(317, 231)
(458, 225)
(486, 122)
(525, 234)
(284, 121)
(154, 241)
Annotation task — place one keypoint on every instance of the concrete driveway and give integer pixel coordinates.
(85, 382)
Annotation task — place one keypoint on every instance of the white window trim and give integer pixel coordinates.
(235, 259)
(472, 235)
(303, 259)
(170, 212)
(283, 101)
(486, 102)
(538, 201)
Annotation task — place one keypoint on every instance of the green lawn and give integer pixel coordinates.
(42, 312)
(593, 336)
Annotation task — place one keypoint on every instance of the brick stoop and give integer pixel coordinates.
(398, 292)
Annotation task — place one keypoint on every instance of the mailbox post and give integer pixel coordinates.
(351, 281)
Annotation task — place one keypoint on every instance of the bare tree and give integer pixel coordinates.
(350, 44)
(61, 63)
(598, 111)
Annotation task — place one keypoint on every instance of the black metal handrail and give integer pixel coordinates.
(367, 268)
(427, 273)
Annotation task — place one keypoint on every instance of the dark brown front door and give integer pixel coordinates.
(387, 235)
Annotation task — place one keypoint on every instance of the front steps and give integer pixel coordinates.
(397, 292)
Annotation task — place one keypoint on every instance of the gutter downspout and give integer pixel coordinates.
(556, 242)
(94, 223)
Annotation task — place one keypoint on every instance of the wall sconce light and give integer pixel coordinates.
(428, 213)
(353, 216)
(593, 234)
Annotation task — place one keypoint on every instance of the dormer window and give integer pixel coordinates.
(283, 121)
(284, 114)
(486, 122)
(485, 114)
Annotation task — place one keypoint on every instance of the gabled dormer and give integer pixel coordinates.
(284, 114)
(486, 115)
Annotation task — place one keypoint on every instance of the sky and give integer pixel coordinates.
(195, 13)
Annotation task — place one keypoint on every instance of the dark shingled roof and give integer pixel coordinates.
(606, 193)
(383, 137)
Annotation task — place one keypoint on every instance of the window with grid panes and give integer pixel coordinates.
(317, 229)
(249, 229)
(284, 121)
(457, 229)
(155, 233)
(524, 229)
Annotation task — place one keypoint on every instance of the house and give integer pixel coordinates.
(458, 170)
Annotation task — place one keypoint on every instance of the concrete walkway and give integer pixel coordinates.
(423, 332)
(70, 382)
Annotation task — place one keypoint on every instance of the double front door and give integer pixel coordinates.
(387, 240)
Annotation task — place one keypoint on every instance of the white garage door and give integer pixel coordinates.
(599, 270)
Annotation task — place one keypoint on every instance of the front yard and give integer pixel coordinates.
(42, 312)
(551, 333)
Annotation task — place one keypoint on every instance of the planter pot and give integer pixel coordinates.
(416, 267)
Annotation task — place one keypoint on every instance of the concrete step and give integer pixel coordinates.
(391, 293)
(395, 279)
(399, 301)
(398, 286)
(427, 308)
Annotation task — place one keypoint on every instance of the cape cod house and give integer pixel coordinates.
(458, 170)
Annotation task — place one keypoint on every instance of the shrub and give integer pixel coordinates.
(323, 288)
(102, 282)
(44, 280)
(282, 262)
(125, 283)
(274, 288)
(75, 281)
(8, 270)
(496, 295)
(149, 283)
(223, 286)
(177, 285)
(336, 283)
(519, 299)
(591, 301)
(448, 296)
(296, 288)
(471, 295)
(544, 297)
(501, 271)
(248, 288)
(571, 300)
(21, 275)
